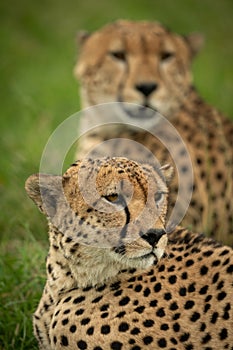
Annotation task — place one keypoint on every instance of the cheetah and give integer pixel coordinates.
(115, 278)
(144, 63)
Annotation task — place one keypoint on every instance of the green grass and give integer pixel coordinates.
(38, 91)
(22, 275)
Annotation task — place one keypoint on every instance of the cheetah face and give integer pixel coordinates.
(141, 63)
(108, 211)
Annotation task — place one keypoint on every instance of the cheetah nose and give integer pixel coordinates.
(152, 236)
(146, 88)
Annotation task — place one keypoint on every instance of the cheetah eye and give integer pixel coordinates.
(113, 197)
(120, 55)
(166, 55)
(158, 196)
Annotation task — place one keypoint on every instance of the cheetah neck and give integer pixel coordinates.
(95, 275)
(67, 275)
(190, 103)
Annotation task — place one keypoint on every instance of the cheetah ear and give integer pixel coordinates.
(168, 172)
(196, 42)
(45, 190)
(82, 36)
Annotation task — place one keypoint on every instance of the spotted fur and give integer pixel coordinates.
(140, 294)
(147, 64)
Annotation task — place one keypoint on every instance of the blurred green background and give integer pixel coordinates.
(38, 91)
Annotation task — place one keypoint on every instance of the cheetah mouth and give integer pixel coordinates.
(143, 112)
(157, 254)
(145, 256)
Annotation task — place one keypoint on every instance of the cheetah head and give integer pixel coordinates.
(105, 214)
(137, 62)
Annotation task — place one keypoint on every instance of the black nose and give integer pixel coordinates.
(146, 88)
(153, 236)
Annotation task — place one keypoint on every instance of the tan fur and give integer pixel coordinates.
(114, 61)
(130, 296)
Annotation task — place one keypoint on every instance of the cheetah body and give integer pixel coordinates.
(129, 296)
(185, 305)
(146, 64)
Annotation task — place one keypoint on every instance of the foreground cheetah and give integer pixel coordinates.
(112, 280)
(146, 64)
